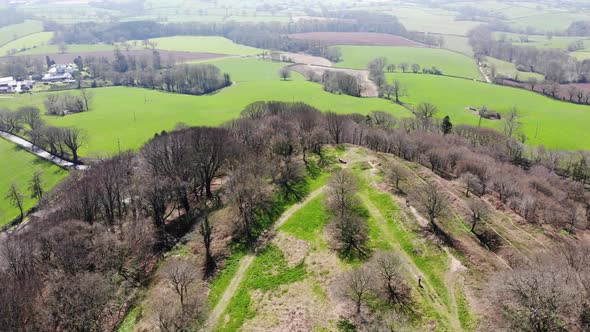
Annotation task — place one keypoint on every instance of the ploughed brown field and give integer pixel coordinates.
(178, 56)
(357, 38)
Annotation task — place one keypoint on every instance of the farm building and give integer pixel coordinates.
(59, 73)
(7, 85)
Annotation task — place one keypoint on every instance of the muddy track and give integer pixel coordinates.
(246, 261)
(455, 267)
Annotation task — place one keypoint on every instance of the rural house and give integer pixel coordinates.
(60, 73)
(7, 85)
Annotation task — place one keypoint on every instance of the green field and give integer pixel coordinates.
(548, 21)
(450, 63)
(18, 166)
(249, 69)
(432, 20)
(508, 69)
(73, 48)
(458, 44)
(203, 44)
(27, 42)
(70, 13)
(540, 41)
(548, 122)
(15, 31)
(131, 115)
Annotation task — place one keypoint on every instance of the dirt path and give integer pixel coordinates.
(287, 214)
(450, 313)
(483, 73)
(245, 263)
(216, 313)
(455, 266)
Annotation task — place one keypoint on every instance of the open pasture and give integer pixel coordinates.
(431, 20)
(508, 70)
(70, 12)
(540, 41)
(18, 166)
(550, 21)
(15, 31)
(357, 38)
(130, 116)
(450, 63)
(249, 69)
(203, 44)
(545, 121)
(458, 44)
(27, 42)
(72, 48)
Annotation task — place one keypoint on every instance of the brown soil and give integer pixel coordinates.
(178, 56)
(357, 38)
(305, 59)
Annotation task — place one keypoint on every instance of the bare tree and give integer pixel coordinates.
(387, 268)
(432, 201)
(356, 285)
(36, 185)
(31, 116)
(87, 98)
(472, 183)
(398, 90)
(74, 139)
(376, 72)
(342, 188)
(251, 197)
(62, 47)
(16, 198)
(335, 125)
(206, 232)
(395, 174)
(284, 73)
(77, 303)
(425, 112)
(511, 123)
(404, 66)
(17, 253)
(415, 68)
(181, 275)
(381, 119)
(348, 231)
(539, 297)
(533, 83)
(479, 212)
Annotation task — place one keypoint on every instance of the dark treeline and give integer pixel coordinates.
(357, 21)
(555, 65)
(11, 16)
(271, 35)
(152, 72)
(340, 82)
(126, 210)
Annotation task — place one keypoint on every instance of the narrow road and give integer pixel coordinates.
(245, 263)
(40, 152)
(483, 73)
